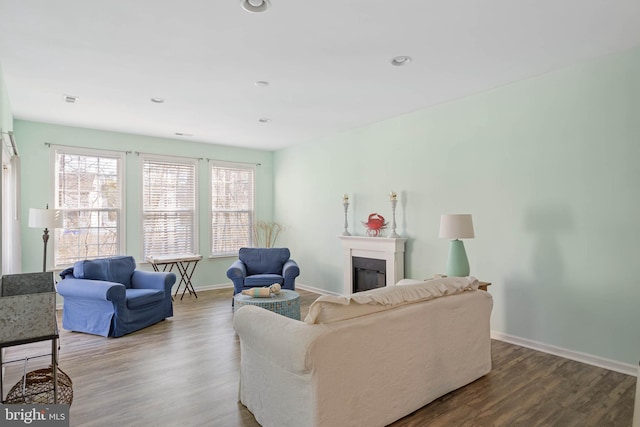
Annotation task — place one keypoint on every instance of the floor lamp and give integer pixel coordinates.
(44, 218)
(457, 227)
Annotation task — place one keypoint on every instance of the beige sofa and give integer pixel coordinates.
(364, 360)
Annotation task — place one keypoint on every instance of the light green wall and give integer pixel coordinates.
(37, 188)
(549, 168)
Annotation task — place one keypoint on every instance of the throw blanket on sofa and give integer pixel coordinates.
(331, 308)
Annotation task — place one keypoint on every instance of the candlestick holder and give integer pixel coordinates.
(393, 219)
(346, 207)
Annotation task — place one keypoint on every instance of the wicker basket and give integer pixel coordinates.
(38, 388)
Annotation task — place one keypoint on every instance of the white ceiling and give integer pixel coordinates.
(327, 62)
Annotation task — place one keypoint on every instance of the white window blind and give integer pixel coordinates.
(88, 192)
(232, 207)
(169, 207)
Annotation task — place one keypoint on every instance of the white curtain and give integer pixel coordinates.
(11, 246)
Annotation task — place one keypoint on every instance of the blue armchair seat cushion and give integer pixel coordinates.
(260, 280)
(259, 261)
(141, 297)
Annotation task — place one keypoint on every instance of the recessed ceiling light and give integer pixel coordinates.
(157, 100)
(69, 99)
(264, 120)
(255, 6)
(261, 83)
(399, 61)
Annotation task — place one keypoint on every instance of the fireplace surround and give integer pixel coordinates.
(387, 249)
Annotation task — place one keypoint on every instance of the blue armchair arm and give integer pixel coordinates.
(96, 289)
(142, 279)
(237, 270)
(290, 269)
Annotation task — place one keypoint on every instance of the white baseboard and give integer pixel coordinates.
(211, 287)
(589, 359)
(316, 290)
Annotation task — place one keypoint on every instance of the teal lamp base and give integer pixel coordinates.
(457, 264)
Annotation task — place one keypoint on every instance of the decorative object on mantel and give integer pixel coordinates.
(265, 234)
(345, 203)
(45, 218)
(459, 226)
(393, 197)
(375, 224)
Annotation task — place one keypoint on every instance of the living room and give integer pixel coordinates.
(547, 166)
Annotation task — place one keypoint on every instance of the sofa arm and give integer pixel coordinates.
(159, 280)
(290, 270)
(282, 340)
(91, 289)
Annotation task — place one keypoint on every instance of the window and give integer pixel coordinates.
(169, 206)
(88, 192)
(232, 195)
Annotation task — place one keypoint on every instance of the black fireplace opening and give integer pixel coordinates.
(368, 273)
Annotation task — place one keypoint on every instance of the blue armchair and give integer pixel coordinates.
(258, 267)
(109, 297)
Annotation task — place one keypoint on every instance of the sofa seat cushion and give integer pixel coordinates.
(140, 297)
(114, 269)
(259, 280)
(330, 308)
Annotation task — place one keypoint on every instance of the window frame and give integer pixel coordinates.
(177, 160)
(252, 214)
(120, 157)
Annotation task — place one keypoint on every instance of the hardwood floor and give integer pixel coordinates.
(184, 372)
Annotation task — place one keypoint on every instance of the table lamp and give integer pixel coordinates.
(455, 227)
(44, 218)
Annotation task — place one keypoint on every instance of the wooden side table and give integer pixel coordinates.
(186, 265)
(484, 285)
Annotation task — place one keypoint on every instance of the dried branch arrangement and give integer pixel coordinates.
(266, 233)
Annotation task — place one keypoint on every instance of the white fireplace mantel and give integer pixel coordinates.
(389, 249)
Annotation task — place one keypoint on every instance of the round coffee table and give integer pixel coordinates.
(286, 303)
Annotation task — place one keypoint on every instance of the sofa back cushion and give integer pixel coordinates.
(115, 269)
(264, 260)
(330, 308)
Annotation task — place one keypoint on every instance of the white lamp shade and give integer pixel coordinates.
(457, 226)
(44, 218)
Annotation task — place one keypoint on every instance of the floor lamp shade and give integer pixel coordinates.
(46, 219)
(455, 227)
